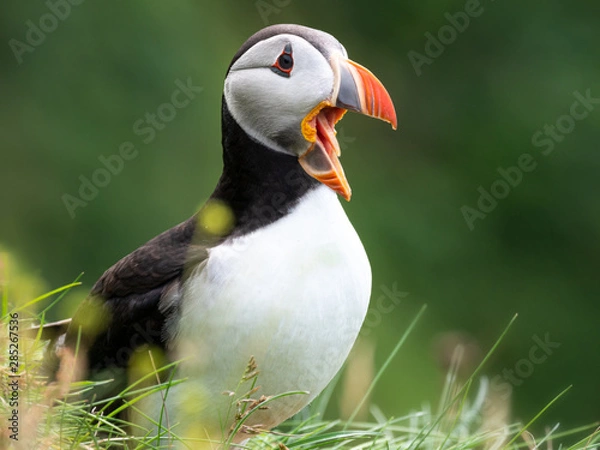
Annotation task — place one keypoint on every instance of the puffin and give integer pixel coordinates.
(258, 297)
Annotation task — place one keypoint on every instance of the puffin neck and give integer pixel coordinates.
(259, 184)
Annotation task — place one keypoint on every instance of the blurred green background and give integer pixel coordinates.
(463, 114)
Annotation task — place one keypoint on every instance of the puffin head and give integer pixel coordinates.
(289, 85)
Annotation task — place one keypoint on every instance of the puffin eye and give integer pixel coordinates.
(285, 62)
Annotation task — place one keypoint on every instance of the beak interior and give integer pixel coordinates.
(321, 160)
(358, 90)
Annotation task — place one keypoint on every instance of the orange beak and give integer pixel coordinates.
(356, 89)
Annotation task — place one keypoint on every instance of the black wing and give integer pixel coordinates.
(129, 305)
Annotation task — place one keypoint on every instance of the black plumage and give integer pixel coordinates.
(137, 297)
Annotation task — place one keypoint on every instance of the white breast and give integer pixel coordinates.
(292, 294)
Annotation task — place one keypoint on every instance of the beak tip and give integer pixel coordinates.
(391, 118)
(347, 193)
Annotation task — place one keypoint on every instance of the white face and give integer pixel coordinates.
(270, 106)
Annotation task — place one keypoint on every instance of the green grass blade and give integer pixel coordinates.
(461, 390)
(385, 365)
(537, 416)
(47, 295)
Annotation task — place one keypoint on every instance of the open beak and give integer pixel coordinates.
(356, 89)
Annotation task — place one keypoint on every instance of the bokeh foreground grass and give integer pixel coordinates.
(36, 412)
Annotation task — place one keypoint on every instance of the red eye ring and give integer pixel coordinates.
(285, 62)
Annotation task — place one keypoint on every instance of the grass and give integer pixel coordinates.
(54, 416)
